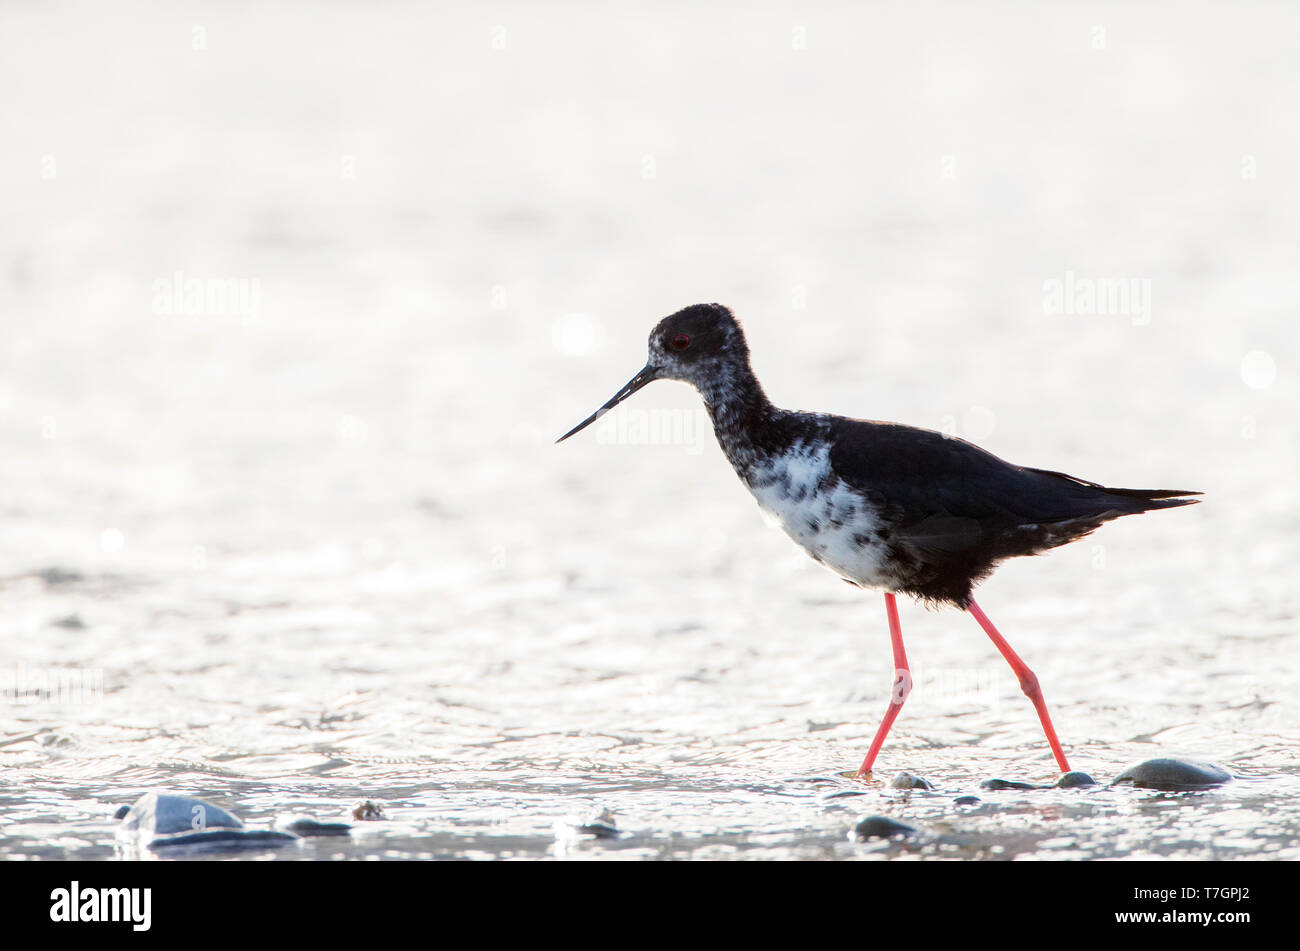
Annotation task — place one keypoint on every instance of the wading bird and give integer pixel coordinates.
(884, 506)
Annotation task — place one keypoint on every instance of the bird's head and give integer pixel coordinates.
(694, 345)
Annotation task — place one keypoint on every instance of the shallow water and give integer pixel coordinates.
(307, 540)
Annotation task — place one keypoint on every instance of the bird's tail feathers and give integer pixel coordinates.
(1149, 499)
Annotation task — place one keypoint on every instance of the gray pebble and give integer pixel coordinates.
(1075, 779)
(599, 831)
(600, 823)
(310, 827)
(225, 839)
(166, 821)
(155, 814)
(906, 780)
(1173, 774)
(882, 827)
(1005, 784)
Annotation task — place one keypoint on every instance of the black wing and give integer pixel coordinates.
(925, 473)
(956, 509)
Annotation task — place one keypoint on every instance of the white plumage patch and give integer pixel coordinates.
(834, 524)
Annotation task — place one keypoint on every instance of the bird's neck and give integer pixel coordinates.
(739, 408)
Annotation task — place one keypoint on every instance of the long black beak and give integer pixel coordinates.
(648, 374)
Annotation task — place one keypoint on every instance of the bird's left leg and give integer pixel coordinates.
(902, 684)
(1028, 681)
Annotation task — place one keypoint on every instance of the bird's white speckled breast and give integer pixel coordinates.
(837, 526)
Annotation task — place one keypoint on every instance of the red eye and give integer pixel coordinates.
(681, 341)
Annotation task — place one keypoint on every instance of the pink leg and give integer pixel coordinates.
(1028, 682)
(902, 685)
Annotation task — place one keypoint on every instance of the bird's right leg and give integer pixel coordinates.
(902, 684)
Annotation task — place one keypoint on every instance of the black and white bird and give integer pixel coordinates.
(884, 506)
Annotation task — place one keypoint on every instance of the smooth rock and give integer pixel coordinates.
(883, 827)
(224, 839)
(162, 821)
(906, 780)
(1006, 784)
(1075, 779)
(156, 814)
(310, 827)
(599, 830)
(600, 823)
(1173, 774)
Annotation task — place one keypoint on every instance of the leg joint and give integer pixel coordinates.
(902, 686)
